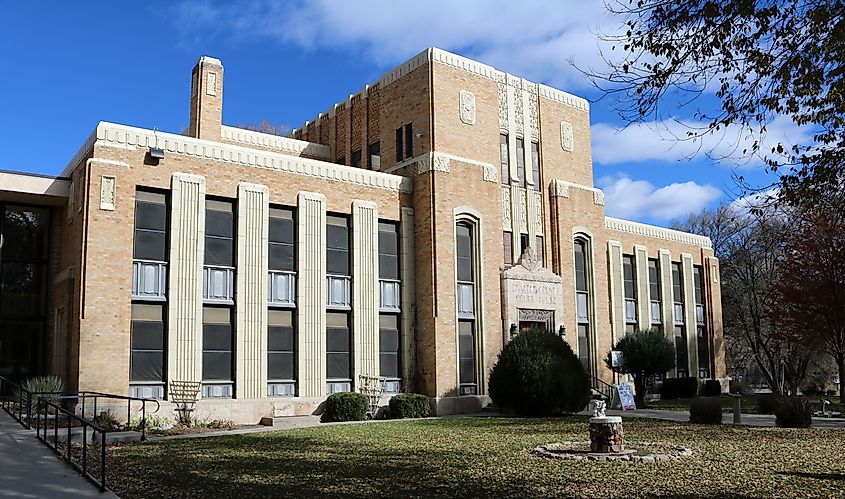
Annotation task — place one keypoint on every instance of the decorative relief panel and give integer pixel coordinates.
(523, 210)
(211, 86)
(503, 101)
(538, 212)
(467, 107)
(490, 173)
(433, 162)
(533, 114)
(107, 193)
(567, 141)
(518, 112)
(506, 207)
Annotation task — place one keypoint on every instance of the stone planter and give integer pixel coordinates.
(606, 434)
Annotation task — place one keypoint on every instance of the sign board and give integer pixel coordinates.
(626, 397)
(616, 359)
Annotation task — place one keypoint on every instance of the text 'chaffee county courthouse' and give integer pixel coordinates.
(407, 232)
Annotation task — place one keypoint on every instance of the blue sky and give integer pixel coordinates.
(68, 65)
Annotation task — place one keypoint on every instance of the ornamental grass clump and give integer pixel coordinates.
(537, 374)
(409, 405)
(346, 406)
(47, 387)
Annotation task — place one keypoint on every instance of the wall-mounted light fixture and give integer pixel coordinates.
(512, 331)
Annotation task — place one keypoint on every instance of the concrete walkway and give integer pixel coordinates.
(727, 418)
(28, 469)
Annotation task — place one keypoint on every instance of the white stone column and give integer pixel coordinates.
(690, 324)
(251, 291)
(406, 254)
(643, 298)
(365, 289)
(184, 294)
(617, 293)
(667, 300)
(311, 294)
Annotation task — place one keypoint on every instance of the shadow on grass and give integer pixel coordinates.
(839, 477)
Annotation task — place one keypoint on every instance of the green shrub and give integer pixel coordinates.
(645, 353)
(46, 387)
(409, 405)
(346, 406)
(793, 412)
(674, 388)
(812, 390)
(711, 388)
(705, 411)
(538, 374)
(738, 387)
(768, 403)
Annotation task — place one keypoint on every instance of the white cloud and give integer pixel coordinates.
(668, 141)
(533, 38)
(640, 199)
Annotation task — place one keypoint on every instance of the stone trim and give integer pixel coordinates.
(284, 145)
(643, 288)
(365, 289)
(311, 294)
(131, 137)
(615, 290)
(406, 253)
(690, 324)
(441, 162)
(560, 189)
(641, 229)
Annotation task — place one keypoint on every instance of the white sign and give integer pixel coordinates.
(626, 397)
(616, 359)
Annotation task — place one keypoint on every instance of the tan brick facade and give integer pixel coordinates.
(457, 110)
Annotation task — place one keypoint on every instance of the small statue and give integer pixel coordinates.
(599, 407)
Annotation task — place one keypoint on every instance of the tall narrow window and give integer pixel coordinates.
(390, 305)
(701, 326)
(357, 159)
(582, 303)
(149, 282)
(466, 309)
(338, 353)
(341, 160)
(281, 298)
(374, 152)
(504, 157)
(400, 147)
(281, 353)
(523, 243)
(535, 166)
(409, 140)
(682, 357)
(655, 305)
(630, 292)
(540, 249)
(520, 161)
(217, 342)
(219, 272)
(507, 245)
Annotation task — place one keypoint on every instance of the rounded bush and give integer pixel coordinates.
(738, 387)
(768, 403)
(793, 412)
(409, 405)
(346, 406)
(705, 411)
(674, 388)
(537, 374)
(712, 388)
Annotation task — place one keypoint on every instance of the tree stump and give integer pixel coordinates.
(606, 435)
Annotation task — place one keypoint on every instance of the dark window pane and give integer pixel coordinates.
(337, 365)
(400, 149)
(217, 366)
(504, 154)
(580, 266)
(337, 339)
(388, 340)
(374, 151)
(337, 237)
(147, 335)
(540, 248)
(389, 365)
(409, 140)
(218, 252)
(216, 337)
(280, 338)
(146, 366)
(467, 371)
(22, 288)
(281, 256)
(150, 216)
(280, 365)
(25, 232)
(218, 223)
(507, 244)
(281, 230)
(150, 245)
(388, 266)
(356, 159)
(535, 165)
(520, 161)
(337, 262)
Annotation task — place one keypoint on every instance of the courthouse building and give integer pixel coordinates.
(408, 232)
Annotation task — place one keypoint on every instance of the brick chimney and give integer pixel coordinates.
(206, 99)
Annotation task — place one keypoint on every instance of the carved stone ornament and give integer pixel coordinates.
(530, 314)
(107, 193)
(433, 162)
(467, 107)
(529, 260)
(211, 84)
(567, 141)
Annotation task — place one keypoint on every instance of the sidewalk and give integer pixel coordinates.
(727, 418)
(28, 469)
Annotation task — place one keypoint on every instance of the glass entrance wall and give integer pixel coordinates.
(24, 254)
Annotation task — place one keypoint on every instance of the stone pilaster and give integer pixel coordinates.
(616, 291)
(643, 298)
(251, 291)
(689, 313)
(666, 300)
(184, 294)
(406, 253)
(713, 308)
(311, 294)
(365, 289)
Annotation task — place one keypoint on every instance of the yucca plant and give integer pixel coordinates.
(46, 387)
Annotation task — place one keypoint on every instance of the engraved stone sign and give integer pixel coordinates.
(531, 292)
(467, 107)
(567, 141)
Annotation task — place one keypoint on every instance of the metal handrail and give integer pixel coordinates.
(45, 406)
(600, 386)
(85, 395)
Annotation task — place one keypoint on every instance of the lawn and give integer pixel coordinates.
(478, 457)
(750, 403)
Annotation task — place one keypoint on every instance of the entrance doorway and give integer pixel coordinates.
(527, 325)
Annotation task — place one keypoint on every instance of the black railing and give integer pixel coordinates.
(605, 389)
(19, 402)
(96, 396)
(92, 467)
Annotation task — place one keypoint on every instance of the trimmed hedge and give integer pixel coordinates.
(793, 412)
(738, 387)
(675, 388)
(346, 406)
(537, 374)
(705, 411)
(768, 403)
(409, 405)
(711, 388)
